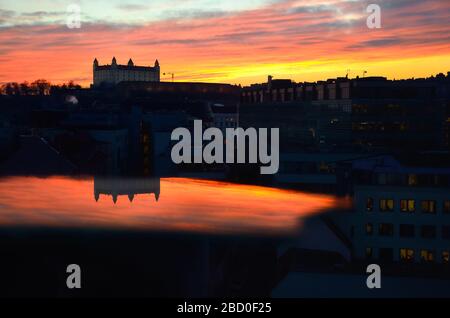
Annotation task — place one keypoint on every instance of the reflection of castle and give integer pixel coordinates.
(116, 186)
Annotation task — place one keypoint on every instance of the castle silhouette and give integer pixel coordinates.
(116, 186)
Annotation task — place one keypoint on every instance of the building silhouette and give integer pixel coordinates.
(371, 113)
(115, 73)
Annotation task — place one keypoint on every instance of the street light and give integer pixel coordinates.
(172, 74)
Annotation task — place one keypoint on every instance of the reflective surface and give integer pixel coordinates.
(172, 204)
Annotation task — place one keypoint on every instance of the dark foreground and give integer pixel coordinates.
(133, 264)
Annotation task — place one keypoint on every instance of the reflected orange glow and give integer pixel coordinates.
(184, 205)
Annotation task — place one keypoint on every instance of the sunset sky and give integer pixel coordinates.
(232, 41)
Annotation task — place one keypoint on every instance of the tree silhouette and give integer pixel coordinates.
(39, 87)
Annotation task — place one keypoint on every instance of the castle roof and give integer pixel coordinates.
(126, 67)
(130, 66)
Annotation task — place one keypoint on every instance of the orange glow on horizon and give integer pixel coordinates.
(243, 47)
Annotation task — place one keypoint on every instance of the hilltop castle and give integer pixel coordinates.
(115, 73)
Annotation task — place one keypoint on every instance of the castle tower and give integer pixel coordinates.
(114, 61)
(130, 63)
(95, 63)
(157, 71)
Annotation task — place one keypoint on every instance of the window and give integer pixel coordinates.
(369, 204)
(382, 178)
(446, 232)
(427, 256)
(428, 231)
(386, 205)
(407, 205)
(412, 179)
(446, 208)
(386, 254)
(429, 206)
(406, 230)
(369, 228)
(407, 255)
(369, 252)
(445, 257)
(386, 229)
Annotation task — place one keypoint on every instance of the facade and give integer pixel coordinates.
(402, 212)
(225, 117)
(371, 113)
(115, 73)
(317, 171)
(107, 136)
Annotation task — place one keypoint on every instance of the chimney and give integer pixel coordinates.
(269, 82)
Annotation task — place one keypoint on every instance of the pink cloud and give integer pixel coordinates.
(212, 48)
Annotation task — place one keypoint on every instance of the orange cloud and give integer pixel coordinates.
(303, 40)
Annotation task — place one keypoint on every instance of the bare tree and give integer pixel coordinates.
(41, 87)
(25, 88)
(38, 87)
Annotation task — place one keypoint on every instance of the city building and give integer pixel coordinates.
(372, 113)
(35, 156)
(317, 171)
(115, 73)
(401, 209)
(225, 117)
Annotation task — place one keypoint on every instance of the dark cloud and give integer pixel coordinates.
(40, 14)
(132, 7)
(435, 38)
(7, 13)
(192, 14)
(312, 9)
(380, 42)
(400, 4)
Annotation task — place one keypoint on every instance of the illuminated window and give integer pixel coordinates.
(445, 257)
(369, 252)
(412, 179)
(369, 204)
(407, 255)
(427, 256)
(429, 206)
(428, 231)
(369, 228)
(446, 208)
(386, 205)
(407, 205)
(386, 229)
